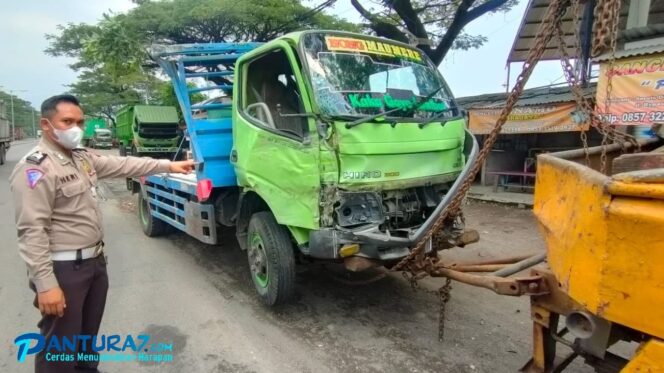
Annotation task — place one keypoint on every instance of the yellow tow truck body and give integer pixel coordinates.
(605, 247)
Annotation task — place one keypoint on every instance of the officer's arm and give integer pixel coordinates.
(33, 189)
(112, 166)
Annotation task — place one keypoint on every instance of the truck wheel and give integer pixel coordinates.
(3, 153)
(152, 227)
(271, 259)
(122, 150)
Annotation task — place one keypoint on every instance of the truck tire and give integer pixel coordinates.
(3, 154)
(152, 227)
(271, 259)
(122, 150)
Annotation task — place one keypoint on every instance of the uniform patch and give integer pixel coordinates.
(86, 166)
(35, 158)
(33, 175)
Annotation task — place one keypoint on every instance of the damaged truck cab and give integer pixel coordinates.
(335, 146)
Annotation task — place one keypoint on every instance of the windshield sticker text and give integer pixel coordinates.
(366, 101)
(369, 46)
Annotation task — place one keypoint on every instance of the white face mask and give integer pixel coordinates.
(69, 138)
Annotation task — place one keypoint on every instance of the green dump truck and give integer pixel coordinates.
(102, 139)
(92, 124)
(147, 130)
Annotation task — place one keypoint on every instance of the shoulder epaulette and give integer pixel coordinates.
(35, 158)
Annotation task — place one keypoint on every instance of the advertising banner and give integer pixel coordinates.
(526, 119)
(637, 90)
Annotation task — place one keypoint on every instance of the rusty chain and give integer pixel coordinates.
(591, 118)
(576, 11)
(545, 34)
(444, 295)
(612, 7)
(417, 263)
(603, 24)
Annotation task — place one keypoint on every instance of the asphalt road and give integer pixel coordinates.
(200, 297)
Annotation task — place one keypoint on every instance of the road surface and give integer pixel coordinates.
(201, 298)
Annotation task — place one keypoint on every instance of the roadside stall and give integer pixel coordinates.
(543, 121)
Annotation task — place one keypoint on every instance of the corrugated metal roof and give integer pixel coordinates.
(641, 51)
(156, 114)
(640, 33)
(529, 97)
(530, 24)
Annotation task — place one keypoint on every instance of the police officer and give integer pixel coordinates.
(59, 225)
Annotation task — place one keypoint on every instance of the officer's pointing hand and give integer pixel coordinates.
(182, 167)
(52, 302)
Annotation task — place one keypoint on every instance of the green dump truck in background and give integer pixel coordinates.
(92, 124)
(102, 139)
(147, 130)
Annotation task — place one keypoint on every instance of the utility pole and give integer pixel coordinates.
(11, 97)
(34, 130)
(11, 100)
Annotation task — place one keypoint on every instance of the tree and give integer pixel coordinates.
(111, 55)
(102, 96)
(435, 26)
(24, 114)
(125, 36)
(166, 96)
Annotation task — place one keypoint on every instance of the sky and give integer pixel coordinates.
(34, 76)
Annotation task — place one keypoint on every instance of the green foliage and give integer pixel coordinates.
(435, 26)
(102, 96)
(204, 21)
(166, 96)
(116, 49)
(111, 55)
(24, 114)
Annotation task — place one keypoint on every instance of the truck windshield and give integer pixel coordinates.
(360, 77)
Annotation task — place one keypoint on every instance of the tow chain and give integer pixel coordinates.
(591, 117)
(612, 14)
(443, 293)
(444, 296)
(416, 263)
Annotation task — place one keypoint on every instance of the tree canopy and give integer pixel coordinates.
(111, 55)
(435, 26)
(24, 114)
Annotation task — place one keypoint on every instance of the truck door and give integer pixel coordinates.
(275, 147)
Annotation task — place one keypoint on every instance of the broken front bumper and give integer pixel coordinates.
(325, 243)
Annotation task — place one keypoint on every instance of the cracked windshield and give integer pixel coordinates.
(360, 77)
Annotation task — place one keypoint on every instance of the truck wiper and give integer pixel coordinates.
(440, 115)
(410, 110)
(371, 117)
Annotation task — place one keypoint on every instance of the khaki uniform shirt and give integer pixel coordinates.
(55, 198)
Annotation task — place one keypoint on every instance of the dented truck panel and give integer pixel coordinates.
(283, 171)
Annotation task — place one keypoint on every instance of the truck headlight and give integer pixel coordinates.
(359, 208)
